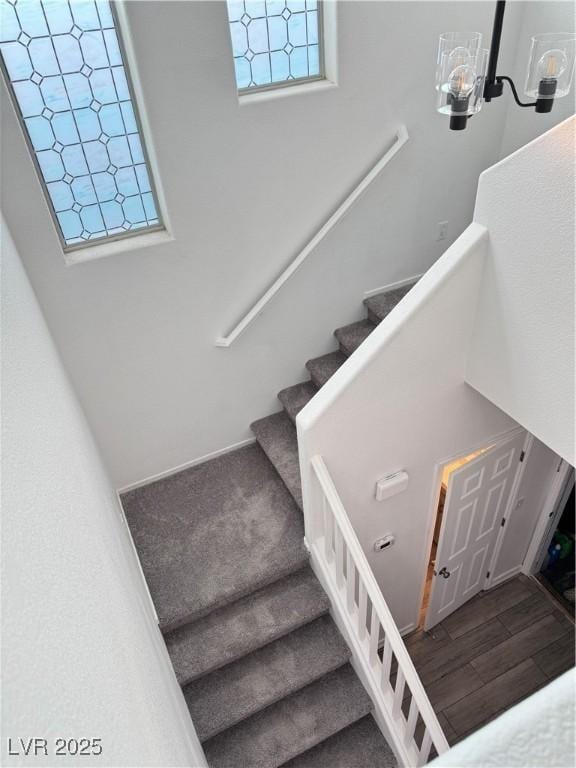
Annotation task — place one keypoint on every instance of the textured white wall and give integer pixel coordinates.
(522, 354)
(400, 402)
(537, 733)
(246, 187)
(523, 125)
(81, 654)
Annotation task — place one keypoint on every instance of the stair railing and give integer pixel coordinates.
(379, 655)
(300, 258)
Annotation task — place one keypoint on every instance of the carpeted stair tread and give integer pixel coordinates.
(351, 336)
(360, 745)
(276, 435)
(322, 368)
(233, 693)
(292, 725)
(210, 534)
(295, 398)
(380, 305)
(244, 626)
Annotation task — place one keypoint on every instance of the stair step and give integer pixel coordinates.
(292, 725)
(246, 625)
(351, 336)
(209, 535)
(322, 368)
(296, 397)
(383, 303)
(360, 745)
(276, 436)
(233, 693)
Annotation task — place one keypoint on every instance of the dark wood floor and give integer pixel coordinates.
(496, 650)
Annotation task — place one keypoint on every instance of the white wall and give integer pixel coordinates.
(401, 403)
(522, 353)
(246, 186)
(81, 654)
(523, 125)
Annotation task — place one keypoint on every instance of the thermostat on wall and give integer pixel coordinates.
(391, 485)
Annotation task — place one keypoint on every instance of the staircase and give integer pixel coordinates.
(264, 670)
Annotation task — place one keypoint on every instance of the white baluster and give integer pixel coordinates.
(398, 692)
(339, 556)
(350, 581)
(412, 720)
(374, 637)
(386, 664)
(328, 530)
(425, 748)
(362, 608)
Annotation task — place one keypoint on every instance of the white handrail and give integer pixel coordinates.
(336, 551)
(252, 314)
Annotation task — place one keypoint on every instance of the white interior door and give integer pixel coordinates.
(475, 502)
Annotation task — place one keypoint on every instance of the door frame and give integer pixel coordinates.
(436, 488)
(557, 495)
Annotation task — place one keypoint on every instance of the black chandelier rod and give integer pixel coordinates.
(492, 86)
(494, 83)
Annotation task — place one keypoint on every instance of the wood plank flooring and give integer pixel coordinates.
(496, 650)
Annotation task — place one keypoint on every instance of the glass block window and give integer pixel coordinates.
(275, 41)
(64, 64)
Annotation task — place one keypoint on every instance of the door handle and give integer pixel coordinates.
(444, 572)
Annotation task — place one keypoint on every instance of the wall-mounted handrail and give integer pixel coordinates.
(363, 615)
(252, 314)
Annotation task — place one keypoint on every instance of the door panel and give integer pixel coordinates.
(476, 498)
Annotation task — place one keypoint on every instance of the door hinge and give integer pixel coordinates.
(522, 455)
(488, 575)
(503, 523)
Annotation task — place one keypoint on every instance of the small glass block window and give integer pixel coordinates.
(64, 64)
(275, 42)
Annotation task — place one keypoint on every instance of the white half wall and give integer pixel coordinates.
(82, 656)
(246, 187)
(400, 403)
(522, 352)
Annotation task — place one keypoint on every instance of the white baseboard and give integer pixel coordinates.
(187, 465)
(505, 576)
(392, 286)
(408, 628)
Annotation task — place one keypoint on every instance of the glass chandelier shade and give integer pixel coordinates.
(460, 73)
(551, 65)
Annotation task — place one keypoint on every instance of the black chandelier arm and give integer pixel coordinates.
(509, 80)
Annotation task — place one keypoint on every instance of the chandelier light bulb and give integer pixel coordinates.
(552, 64)
(459, 56)
(461, 81)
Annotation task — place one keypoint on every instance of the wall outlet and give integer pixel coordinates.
(442, 233)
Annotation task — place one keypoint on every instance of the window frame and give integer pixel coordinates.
(100, 243)
(280, 84)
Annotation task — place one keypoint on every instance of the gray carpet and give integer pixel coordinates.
(264, 670)
(214, 533)
(292, 725)
(259, 679)
(360, 745)
(244, 626)
(276, 436)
